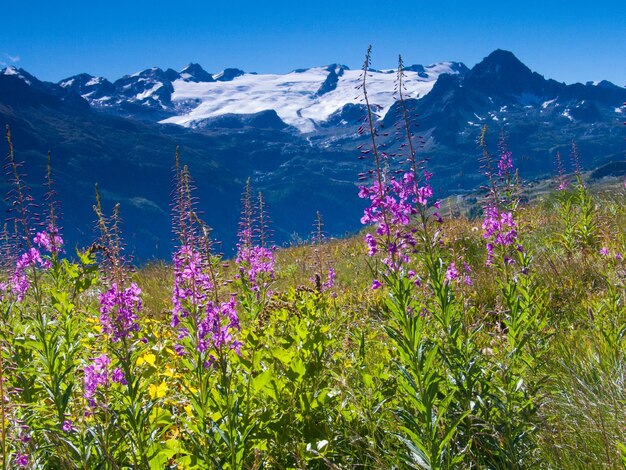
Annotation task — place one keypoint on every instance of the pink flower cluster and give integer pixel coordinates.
(214, 331)
(19, 282)
(119, 309)
(453, 274)
(96, 375)
(256, 265)
(49, 240)
(499, 229)
(391, 208)
(192, 285)
(192, 288)
(505, 164)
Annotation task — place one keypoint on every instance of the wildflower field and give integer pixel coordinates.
(429, 341)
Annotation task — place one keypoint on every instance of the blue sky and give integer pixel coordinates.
(568, 41)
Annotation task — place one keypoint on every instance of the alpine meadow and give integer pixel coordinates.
(419, 267)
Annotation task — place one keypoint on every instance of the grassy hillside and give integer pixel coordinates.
(495, 342)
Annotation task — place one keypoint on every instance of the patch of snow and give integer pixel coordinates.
(545, 104)
(94, 81)
(567, 115)
(294, 95)
(148, 93)
(67, 83)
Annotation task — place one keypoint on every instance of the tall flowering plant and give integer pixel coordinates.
(522, 314)
(500, 227)
(255, 256)
(407, 237)
(114, 376)
(207, 330)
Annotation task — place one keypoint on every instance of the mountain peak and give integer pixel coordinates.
(195, 73)
(501, 63)
(227, 75)
(504, 74)
(20, 73)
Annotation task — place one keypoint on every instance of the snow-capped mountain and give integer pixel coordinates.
(303, 98)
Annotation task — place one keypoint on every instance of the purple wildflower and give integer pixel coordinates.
(118, 377)
(21, 460)
(192, 285)
(467, 270)
(452, 273)
(119, 310)
(604, 251)
(499, 229)
(67, 426)
(392, 205)
(215, 330)
(505, 164)
(96, 375)
(19, 282)
(255, 264)
(376, 284)
(49, 240)
(330, 280)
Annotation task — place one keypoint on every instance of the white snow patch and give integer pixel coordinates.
(148, 93)
(294, 95)
(94, 81)
(67, 83)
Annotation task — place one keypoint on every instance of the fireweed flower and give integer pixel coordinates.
(96, 375)
(467, 279)
(21, 460)
(119, 309)
(49, 240)
(192, 286)
(215, 330)
(330, 280)
(256, 265)
(499, 229)
(452, 273)
(214, 322)
(19, 282)
(68, 425)
(391, 209)
(118, 377)
(505, 164)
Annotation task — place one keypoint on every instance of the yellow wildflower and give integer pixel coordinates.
(158, 391)
(147, 357)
